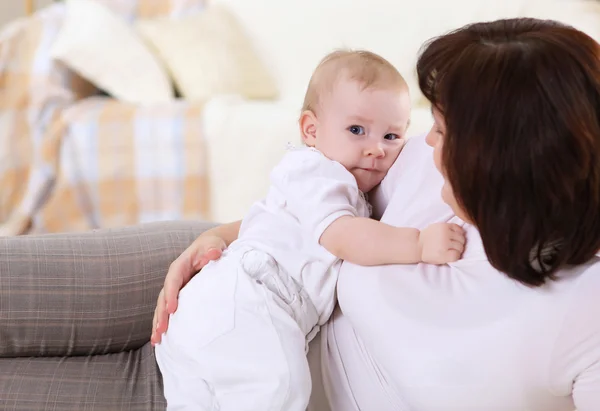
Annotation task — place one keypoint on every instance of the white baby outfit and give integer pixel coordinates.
(238, 339)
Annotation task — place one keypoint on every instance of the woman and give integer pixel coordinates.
(514, 325)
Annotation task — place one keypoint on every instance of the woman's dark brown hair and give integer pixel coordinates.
(521, 103)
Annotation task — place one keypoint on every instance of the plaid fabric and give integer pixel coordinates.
(49, 128)
(122, 164)
(88, 293)
(126, 381)
(88, 300)
(33, 91)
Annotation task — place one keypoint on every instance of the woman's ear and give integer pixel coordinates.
(308, 128)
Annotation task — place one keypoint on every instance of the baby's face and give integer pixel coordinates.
(362, 129)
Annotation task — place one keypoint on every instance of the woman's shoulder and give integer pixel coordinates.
(416, 153)
(584, 280)
(576, 351)
(413, 171)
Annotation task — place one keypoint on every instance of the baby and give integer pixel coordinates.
(238, 339)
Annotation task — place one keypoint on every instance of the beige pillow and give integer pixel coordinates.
(107, 52)
(207, 54)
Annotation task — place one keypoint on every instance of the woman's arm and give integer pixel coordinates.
(208, 246)
(227, 232)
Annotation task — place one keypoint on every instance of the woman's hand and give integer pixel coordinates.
(204, 249)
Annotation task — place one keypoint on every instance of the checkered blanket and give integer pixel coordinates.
(70, 161)
(121, 164)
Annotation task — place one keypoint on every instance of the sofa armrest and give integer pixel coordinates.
(88, 293)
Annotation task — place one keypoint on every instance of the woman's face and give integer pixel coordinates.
(435, 139)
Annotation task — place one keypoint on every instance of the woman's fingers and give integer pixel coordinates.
(196, 256)
(160, 320)
(211, 255)
(174, 281)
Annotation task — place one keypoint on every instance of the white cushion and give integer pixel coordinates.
(103, 49)
(208, 54)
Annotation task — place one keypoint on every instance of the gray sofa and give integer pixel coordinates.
(76, 315)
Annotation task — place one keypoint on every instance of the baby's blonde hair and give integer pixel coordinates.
(368, 69)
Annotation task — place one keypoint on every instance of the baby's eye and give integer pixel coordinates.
(391, 136)
(357, 130)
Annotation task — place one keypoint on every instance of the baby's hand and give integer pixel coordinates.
(441, 243)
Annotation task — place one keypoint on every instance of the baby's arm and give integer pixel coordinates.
(365, 241)
(324, 197)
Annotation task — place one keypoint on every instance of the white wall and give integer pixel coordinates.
(12, 9)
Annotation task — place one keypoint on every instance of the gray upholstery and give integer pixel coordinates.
(76, 315)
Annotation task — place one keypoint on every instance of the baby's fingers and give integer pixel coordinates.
(453, 255)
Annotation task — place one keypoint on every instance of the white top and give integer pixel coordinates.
(462, 337)
(308, 192)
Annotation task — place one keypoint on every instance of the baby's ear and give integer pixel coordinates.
(308, 128)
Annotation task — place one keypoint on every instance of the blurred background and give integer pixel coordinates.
(11, 9)
(119, 112)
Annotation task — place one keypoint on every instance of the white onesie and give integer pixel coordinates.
(237, 341)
